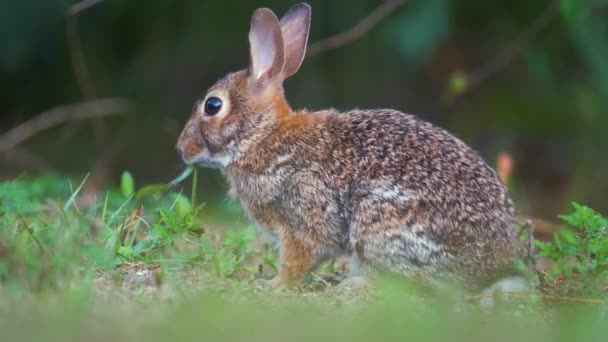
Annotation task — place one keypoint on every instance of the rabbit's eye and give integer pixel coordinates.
(213, 106)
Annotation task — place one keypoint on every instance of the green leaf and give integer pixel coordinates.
(574, 10)
(584, 218)
(145, 244)
(570, 237)
(161, 232)
(127, 184)
(459, 83)
(125, 252)
(520, 265)
(104, 210)
(225, 262)
(546, 248)
(115, 214)
(111, 238)
(150, 190)
(205, 244)
(75, 193)
(181, 205)
(270, 262)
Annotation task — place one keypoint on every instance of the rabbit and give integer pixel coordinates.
(393, 192)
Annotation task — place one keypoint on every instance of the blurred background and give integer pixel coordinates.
(524, 82)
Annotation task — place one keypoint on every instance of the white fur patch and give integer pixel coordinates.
(516, 284)
(419, 245)
(283, 158)
(394, 193)
(511, 284)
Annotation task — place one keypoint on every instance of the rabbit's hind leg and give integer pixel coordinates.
(410, 251)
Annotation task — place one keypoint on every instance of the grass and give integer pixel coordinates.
(148, 263)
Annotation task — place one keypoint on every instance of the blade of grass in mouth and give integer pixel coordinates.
(183, 176)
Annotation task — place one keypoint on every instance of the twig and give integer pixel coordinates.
(31, 232)
(320, 279)
(58, 115)
(528, 228)
(531, 259)
(82, 6)
(79, 65)
(360, 28)
(514, 48)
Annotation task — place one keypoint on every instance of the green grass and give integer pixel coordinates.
(148, 263)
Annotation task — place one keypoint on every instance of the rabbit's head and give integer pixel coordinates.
(243, 106)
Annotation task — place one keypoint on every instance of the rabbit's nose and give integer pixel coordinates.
(189, 149)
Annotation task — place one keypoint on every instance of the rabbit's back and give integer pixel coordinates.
(399, 158)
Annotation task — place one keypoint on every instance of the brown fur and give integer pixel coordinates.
(391, 190)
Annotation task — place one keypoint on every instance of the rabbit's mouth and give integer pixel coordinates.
(217, 160)
(214, 158)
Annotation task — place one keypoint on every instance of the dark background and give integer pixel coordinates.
(526, 78)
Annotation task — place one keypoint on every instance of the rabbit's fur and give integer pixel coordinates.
(395, 192)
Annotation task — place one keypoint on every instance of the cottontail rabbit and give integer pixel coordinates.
(394, 192)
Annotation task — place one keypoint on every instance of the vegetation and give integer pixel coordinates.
(579, 254)
(148, 263)
(48, 241)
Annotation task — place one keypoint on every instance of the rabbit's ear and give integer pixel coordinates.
(295, 25)
(265, 45)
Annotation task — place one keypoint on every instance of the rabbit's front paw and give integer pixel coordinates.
(276, 282)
